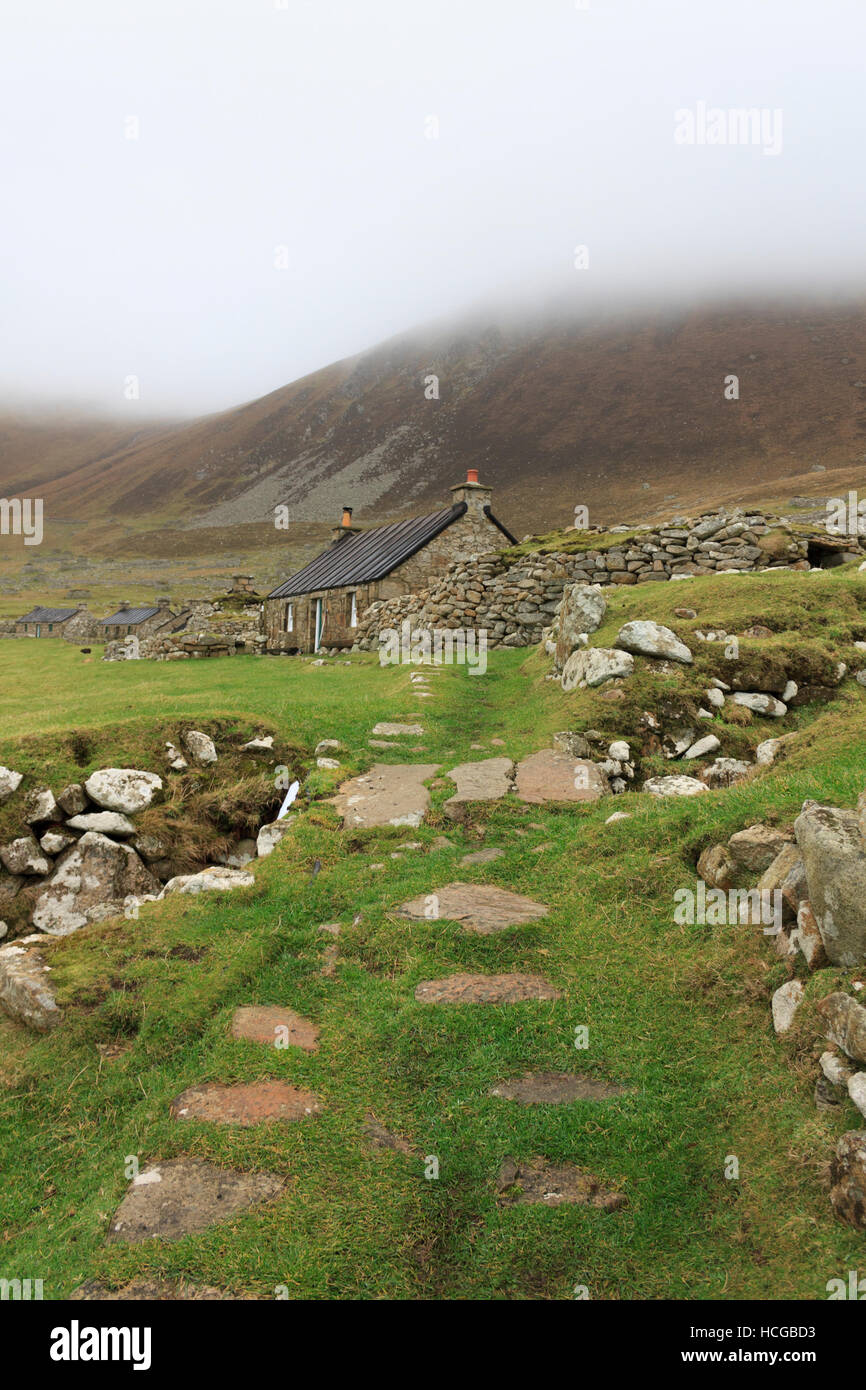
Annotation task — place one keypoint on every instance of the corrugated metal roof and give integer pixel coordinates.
(126, 617)
(48, 615)
(368, 555)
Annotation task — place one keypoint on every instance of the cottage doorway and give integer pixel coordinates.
(320, 614)
(38, 630)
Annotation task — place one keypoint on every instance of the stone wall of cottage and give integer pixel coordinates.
(516, 597)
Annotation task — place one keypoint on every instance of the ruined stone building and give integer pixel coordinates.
(322, 604)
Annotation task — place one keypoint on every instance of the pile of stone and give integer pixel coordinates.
(818, 873)
(516, 598)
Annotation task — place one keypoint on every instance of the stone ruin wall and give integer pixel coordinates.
(516, 599)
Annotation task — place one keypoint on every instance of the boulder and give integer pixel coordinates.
(786, 1001)
(9, 782)
(673, 786)
(756, 847)
(23, 856)
(844, 1023)
(716, 867)
(834, 856)
(56, 841)
(270, 835)
(40, 806)
(89, 884)
(646, 638)
(848, 1176)
(73, 799)
(25, 992)
(106, 822)
(760, 704)
(567, 741)
(592, 666)
(581, 612)
(122, 789)
(767, 752)
(724, 772)
(808, 937)
(199, 746)
(214, 879)
(703, 747)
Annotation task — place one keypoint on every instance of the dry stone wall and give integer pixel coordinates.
(516, 598)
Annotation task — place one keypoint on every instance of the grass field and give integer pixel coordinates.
(680, 1015)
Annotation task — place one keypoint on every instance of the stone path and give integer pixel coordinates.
(254, 1103)
(389, 794)
(553, 1185)
(480, 907)
(185, 1195)
(485, 989)
(487, 780)
(275, 1026)
(555, 1088)
(550, 775)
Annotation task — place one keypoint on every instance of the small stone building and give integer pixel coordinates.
(137, 622)
(322, 604)
(45, 622)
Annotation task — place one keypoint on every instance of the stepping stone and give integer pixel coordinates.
(184, 1195)
(272, 1025)
(551, 775)
(381, 743)
(389, 794)
(381, 1138)
(245, 1104)
(485, 989)
(487, 780)
(397, 730)
(482, 856)
(155, 1291)
(553, 1185)
(554, 1088)
(480, 907)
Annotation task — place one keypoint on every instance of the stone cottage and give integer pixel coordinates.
(137, 622)
(45, 622)
(322, 604)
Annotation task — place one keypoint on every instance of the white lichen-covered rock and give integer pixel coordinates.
(9, 782)
(327, 746)
(89, 884)
(40, 806)
(835, 1068)
(122, 789)
(619, 751)
(646, 638)
(723, 772)
(56, 841)
(175, 759)
(25, 991)
(73, 799)
(767, 705)
(715, 697)
(259, 745)
(786, 1002)
(327, 764)
(23, 856)
(270, 835)
(703, 748)
(106, 822)
(200, 747)
(580, 612)
(214, 879)
(834, 858)
(767, 752)
(593, 666)
(673, 786)
(857, 1090)
(618, 815)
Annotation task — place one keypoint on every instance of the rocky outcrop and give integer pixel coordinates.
(25, 992)
(834, 857)
(122, 789)
(581, 612)
(91, 882)
(645, 638)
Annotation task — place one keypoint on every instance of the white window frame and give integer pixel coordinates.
(290, 617)
(353, 621)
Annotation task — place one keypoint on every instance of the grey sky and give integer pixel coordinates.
(306, 127)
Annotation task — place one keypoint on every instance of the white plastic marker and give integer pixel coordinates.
(290, 796)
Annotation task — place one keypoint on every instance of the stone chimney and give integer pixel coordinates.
(345, 528)
(122, 607)
(476, 495)
(163, 603)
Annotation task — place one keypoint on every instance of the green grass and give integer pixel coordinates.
(679, 1014)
